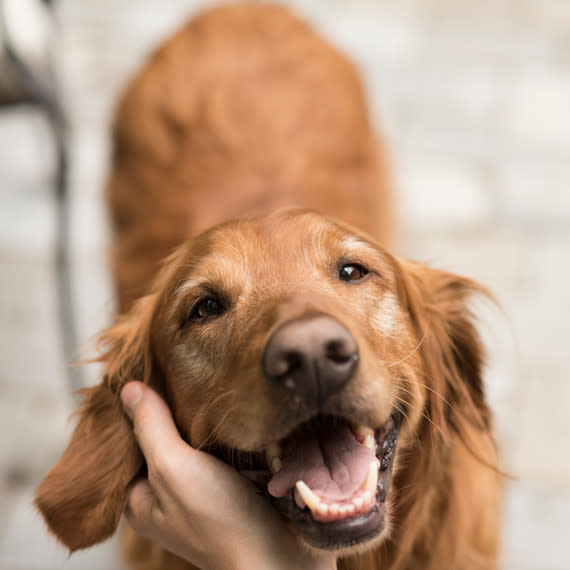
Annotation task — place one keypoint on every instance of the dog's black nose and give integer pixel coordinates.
(310, 358)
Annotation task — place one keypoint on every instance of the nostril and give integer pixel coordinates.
(287, 363)
(339, 352)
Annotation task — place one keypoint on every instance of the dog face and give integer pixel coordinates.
(296, 350)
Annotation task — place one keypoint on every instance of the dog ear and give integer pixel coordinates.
(83, 496)
(451, 348)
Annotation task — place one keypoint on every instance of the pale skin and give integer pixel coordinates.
(198, 507)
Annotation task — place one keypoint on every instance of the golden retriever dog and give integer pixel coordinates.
(251, 215)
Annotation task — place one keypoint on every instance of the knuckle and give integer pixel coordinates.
(157, 515)
(135, 515)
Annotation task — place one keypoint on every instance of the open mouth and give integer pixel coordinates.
(329, 478)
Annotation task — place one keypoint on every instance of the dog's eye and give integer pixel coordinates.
(352, 272)
(207, 308)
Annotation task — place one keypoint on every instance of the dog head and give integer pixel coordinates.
(296, 350)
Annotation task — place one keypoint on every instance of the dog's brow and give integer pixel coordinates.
(353, 242)
(181, 289)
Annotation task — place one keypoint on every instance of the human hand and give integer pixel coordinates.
(200, 508)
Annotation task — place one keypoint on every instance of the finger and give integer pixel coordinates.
(154, 427)
(141, 502)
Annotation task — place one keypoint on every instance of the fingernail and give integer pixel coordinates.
(130, 396)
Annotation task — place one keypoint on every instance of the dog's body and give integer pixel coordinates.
(243, 112)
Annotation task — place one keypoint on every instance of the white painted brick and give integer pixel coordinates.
(26, 544)
(538, 114)
(27, 219)
(440, 111)
(31, 447)
(26, 148)
(535, 533)
(536, 191)
(438, 194)
(29, 343)
(541, 448)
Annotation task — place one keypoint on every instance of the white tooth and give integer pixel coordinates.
(274, 450)
(371, 481)
(369, 441)
(367, 497)
(271, 452)
(299, 500)
(334, 509)
(310, 497)
(323, 509)
(350, 509)
(276, 464)
(360, 429)
(358, 502)
(344, 510)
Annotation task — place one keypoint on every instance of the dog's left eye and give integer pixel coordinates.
(207, 308)
(352, 272)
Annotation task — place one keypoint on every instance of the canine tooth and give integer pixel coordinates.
(371, 481)
(369, 441)
(276, 464)
(360, 429)
(299, 500)
(310, 497)
(274, 450)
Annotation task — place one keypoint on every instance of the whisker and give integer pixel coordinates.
(423, 414)
(417, 347)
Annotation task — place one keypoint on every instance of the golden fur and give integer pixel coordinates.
(246, 110)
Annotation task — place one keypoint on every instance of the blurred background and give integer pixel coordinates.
(473, 99)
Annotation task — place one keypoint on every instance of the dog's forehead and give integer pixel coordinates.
(273, 246)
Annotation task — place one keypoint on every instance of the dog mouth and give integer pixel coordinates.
(329, 478)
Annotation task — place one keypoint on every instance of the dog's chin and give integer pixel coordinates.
(344, 534)
(349, 522)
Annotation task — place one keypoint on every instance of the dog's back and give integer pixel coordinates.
(243, 111)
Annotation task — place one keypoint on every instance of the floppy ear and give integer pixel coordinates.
(452, 352)
(83, 496)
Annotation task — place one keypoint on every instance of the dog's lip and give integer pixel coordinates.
(334, 534)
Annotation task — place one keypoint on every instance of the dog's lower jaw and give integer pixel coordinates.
(358, 532)
(345, 536)
(368, 543)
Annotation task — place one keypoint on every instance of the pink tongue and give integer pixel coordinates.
(327, 458)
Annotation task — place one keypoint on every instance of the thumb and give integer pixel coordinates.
(154, 428)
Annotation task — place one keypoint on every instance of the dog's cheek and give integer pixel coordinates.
(188, 390)
(386, 318)
(393, 361)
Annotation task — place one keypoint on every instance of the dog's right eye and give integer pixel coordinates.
(352, 272)
(206, 309)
